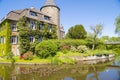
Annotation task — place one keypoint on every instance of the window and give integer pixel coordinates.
(33, 13)
(14, 40)
(50, 27)
(47, 18)
(40, 38)
(2, 40)
(41, 27)
(13, 27)
(32, 24)
(31, 38)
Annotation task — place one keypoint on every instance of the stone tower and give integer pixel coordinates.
(52, 10)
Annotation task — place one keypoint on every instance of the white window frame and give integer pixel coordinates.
(14, 39)
(13, 27)
(32, 24)
(2, 40)
(50, 27)
(32, 38)
(41, 26)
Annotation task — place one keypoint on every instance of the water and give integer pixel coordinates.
(109, 70)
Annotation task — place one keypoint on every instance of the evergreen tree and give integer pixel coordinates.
(77, 32)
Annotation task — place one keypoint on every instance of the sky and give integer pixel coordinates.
(73, 12)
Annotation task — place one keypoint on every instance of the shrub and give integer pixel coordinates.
(28, 55)
(72, 48)
(99, 55)
(65, 48)
(10, 55)
(82, 49)
(62, 60)
(46, 49)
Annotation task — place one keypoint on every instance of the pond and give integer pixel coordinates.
(107, 70)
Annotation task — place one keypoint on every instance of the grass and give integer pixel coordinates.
(34, 60)
(59, 58)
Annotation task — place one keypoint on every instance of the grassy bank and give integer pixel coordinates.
(59, 58)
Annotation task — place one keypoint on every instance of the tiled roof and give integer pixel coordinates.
(49, 2)
(17, 14)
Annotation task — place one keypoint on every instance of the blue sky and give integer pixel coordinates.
(85, 12)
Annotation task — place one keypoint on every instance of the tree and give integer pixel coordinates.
(117, 24)
(77, 32)
(24, 43)
(97, 30)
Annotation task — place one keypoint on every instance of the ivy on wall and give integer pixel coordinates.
(25, 32)
(5, 32)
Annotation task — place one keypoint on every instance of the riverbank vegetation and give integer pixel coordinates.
(55, 51)
(60, 52)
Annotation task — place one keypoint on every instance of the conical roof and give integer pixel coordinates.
(50, 3)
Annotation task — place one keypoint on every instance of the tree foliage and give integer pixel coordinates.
(117, 24)
(25, 32)
(24, 43)
(46, 49)
(77, 32)
(97, 30)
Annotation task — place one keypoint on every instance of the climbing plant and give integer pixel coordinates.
(24, 43)
(25, 32)
(5, 32)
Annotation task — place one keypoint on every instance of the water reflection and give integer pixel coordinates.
(105, 75)
(60, 72)
(68, 78)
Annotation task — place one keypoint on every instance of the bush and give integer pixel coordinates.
(10, 55)
(99, 55)
(65, 44)
(65, 48)
(46, 49)
(28, 55)
(62, 60)
(82, 49)
(73, 49)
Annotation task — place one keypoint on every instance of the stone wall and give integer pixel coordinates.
(54, 13)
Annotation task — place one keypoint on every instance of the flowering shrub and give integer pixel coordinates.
(72, 48)
(28, 55)
(82, 49)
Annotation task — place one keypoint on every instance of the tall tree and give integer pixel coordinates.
(77, 32)
(97, 30)
(24, 43)
(117, 24)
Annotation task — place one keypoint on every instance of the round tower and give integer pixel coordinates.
(52, 10)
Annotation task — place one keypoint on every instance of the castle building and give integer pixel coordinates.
(48, 15)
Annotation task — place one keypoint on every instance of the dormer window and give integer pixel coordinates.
(47, 18)
(33, 13)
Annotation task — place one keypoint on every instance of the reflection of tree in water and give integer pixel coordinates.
(95, 76)
(5, 72)
(50, 72)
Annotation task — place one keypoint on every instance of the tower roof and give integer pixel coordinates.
(50, 3)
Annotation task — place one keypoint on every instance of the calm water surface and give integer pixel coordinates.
(108, 70)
